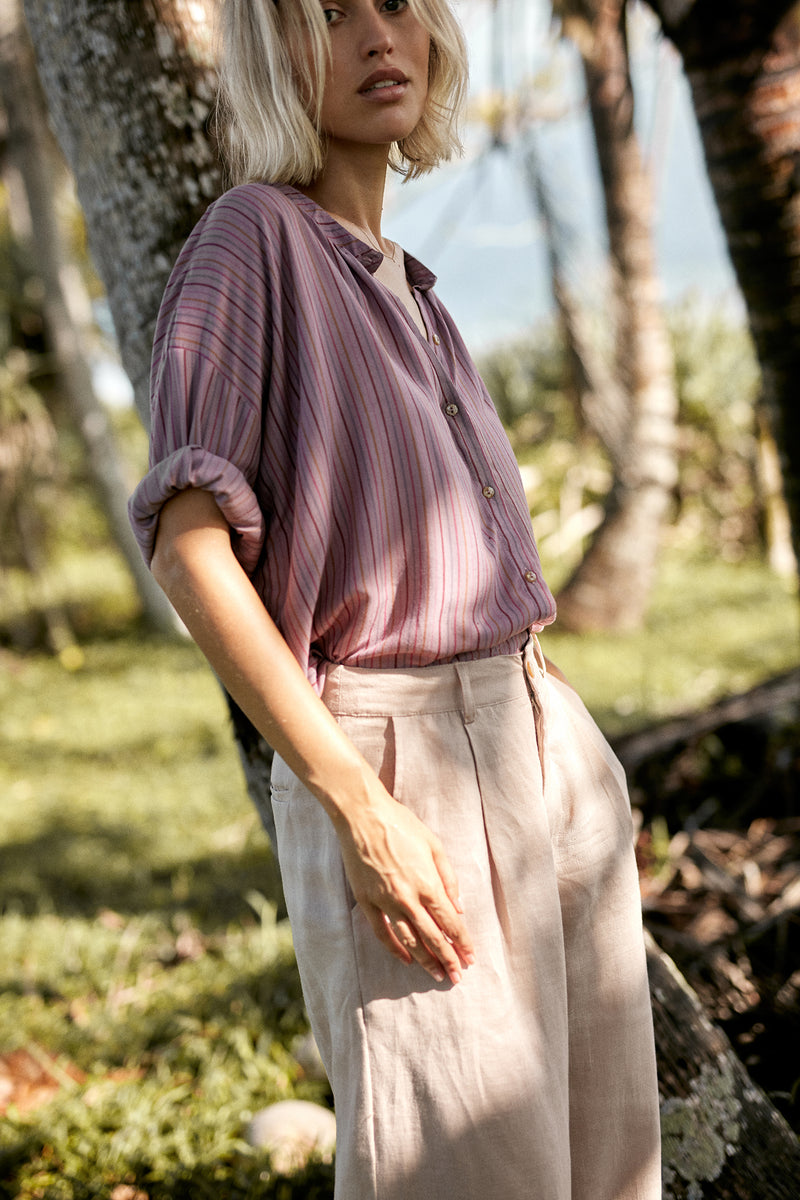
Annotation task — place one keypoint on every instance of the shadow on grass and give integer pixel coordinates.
(252, 1182)
(194, 1034)
(78, 871)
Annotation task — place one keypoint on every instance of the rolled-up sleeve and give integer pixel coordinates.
(209, 379)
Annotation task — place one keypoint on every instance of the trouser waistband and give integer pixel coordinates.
(445, 687)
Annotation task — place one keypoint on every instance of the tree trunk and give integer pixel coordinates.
(611, 586)
(89, 69)
(722, 1139)
(130, 90)
(597, 397)
(742, 60)
(32, 154)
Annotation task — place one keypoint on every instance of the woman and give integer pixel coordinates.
(335, 512)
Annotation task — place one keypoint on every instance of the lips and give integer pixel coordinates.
(385, 78)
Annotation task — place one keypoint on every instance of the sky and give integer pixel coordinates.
(473, 223)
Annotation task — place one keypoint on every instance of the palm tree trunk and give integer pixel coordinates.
(742, 60)
(611, 586)
(130, 88)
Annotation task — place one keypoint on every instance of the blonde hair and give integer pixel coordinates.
(270, 95)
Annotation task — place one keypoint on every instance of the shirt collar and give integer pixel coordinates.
(419, 276)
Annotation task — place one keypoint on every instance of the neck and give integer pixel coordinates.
(352, 184)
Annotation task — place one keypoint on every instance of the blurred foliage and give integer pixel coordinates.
(718, 502)
(48, 511)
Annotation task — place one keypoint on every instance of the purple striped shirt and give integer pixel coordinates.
(372, 494)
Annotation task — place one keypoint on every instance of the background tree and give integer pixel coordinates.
(610, 587)
(129, 88)
(32, 155)
(742, 61)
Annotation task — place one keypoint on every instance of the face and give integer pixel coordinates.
(377, 82)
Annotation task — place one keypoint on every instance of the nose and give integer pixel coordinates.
(377, 38)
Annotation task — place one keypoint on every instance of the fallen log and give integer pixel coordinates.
(763, 700)
(722, 1137)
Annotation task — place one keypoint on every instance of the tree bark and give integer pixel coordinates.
(742, 60)
(611, 586)
(130, 89)
(33, 155)
(722, 1138)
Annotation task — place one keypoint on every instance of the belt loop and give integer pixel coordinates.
(536, 672)
(467, 699)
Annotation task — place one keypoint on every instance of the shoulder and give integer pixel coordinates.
(253, 227)
(243, 233)
(255, 207)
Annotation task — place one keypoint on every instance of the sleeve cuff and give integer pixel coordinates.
(195, 467)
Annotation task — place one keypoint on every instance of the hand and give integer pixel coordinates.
(406, 887)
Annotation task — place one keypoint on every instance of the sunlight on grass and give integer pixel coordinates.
(139, 942)
(129, 945)
(713, 628)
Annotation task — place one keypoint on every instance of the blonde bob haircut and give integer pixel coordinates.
(273, 62)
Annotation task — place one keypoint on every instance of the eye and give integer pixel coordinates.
(331, 15)
(395, 6)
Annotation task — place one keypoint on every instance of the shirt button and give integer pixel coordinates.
(488, 491)
(436, 339)
(531, 576)
(451, 410)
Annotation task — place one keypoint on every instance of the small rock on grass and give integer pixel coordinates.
(291, 1131)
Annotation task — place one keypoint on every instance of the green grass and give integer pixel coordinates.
(139, 939)
(713, 628)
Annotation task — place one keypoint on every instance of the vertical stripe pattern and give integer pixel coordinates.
(372, 493)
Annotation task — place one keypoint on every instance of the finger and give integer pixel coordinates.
(402, 930)
(447, 876)
(440, 947)
(384, 934)
(454, 929)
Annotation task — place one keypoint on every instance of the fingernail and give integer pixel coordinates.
(455, 977)
(469, 958)
(438, 976)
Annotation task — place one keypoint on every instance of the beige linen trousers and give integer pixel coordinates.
(534, 1078)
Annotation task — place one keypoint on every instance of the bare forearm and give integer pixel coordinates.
(397, 867)
(226, 618)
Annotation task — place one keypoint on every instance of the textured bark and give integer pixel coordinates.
(722, 1138)
(130, 90)
(611, 586)
(32, 154)
(742, 60)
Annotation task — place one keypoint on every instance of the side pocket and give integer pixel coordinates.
(281, 780)
(591, 780)
(308, 848)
